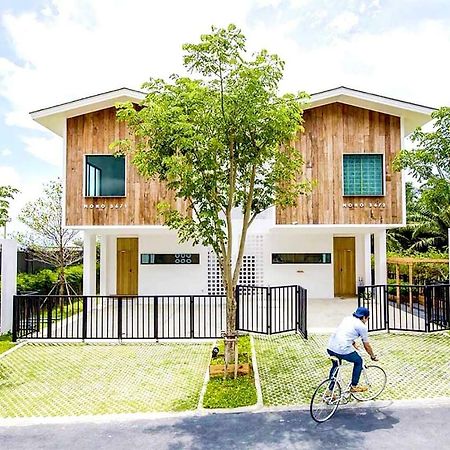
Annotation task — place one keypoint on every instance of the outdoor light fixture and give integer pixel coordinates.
(215, 352)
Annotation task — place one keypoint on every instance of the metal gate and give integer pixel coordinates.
(424, 308)
(272, 310)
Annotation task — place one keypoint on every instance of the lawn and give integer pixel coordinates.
(5, 343)
(417, 366)
(78, 379)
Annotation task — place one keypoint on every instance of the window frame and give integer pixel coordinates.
(85, 175)
(196, 255)
(383, 175)
(328, 258)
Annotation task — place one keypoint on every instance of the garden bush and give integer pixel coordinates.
(42, 282)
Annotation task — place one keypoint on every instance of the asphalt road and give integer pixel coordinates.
(388, 427)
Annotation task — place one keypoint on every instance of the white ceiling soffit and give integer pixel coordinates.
(413, 115)
(54, 117)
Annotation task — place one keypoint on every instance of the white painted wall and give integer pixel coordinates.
(316, 278)
(171, 279)
(9, 282)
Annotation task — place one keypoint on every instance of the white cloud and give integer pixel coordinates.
(390, 63)
(9, 176)
(5, 152)
(49, 149)
(344, 22)
(75, 48)
(78, 48)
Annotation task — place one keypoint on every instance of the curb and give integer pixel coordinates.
(12, 349)
(108, 418)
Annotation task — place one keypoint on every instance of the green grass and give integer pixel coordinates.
(5, 342)
(78, 379)
(417, 366)
(230, 393)
(244, 351)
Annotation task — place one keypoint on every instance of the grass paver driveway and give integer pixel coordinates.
(78, 379)
(290, 368)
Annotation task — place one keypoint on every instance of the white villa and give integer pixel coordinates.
(325, 244)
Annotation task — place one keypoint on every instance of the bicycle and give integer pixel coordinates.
(329, 393)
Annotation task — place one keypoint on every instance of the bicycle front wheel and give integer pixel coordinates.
(325, 401)
(374, 378)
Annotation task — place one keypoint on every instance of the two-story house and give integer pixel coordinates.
(325, 244)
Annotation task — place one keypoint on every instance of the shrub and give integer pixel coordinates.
(74, 276)
(41, 282)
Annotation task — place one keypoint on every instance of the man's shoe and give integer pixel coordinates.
(358, 388)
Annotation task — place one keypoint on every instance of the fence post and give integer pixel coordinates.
(119, 318)
(49, 317)
(15, 317)
(269, 310)
(297, 309)
(428, 307)
(84, 318)
(191, 314)
(155, 316)
(236, 297)
(386, 307)
(360, 295)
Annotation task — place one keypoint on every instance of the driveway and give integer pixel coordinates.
(390, 427)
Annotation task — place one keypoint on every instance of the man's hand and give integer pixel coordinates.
(374, 358)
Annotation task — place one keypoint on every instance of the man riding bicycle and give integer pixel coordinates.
(342, 345)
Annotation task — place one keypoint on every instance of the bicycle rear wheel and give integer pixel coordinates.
(374, 377)
(325, 401)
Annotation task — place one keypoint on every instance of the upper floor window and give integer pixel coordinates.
(104, 176)
(363, 174)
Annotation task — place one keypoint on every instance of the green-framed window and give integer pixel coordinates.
(363, 174)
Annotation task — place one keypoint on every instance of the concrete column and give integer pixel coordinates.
(89, 257)
(380, 257)
(367, 260)
(9, 282)
(104, 258)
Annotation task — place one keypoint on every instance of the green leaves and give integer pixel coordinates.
(219, 141)
(7, 193)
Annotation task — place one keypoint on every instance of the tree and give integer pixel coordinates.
(429, 164)
(49, 241)
(6, 194)
(220, 142)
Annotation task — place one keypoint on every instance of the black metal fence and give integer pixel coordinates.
(407, 307)
(272, 310)
(259, 310)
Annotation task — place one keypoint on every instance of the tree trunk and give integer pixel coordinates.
(231, 333)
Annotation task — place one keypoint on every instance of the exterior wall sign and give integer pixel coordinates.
(351, 205)
(103, 206)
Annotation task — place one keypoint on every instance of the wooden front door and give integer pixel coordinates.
(344, 266)
(127, 266)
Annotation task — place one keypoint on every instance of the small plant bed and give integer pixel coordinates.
(217, 365)
(230, 392)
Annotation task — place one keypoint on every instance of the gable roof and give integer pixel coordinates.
(414, 115)
(54, 117)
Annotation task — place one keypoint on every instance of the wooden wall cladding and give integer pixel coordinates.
(92, 134)
(331, 131)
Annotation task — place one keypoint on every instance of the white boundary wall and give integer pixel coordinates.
(9, 282)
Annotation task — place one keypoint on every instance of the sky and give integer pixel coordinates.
(54, 51)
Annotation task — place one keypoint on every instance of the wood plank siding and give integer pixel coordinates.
(331, 131)
(91, 134)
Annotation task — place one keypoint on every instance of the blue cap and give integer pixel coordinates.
(361, 312)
